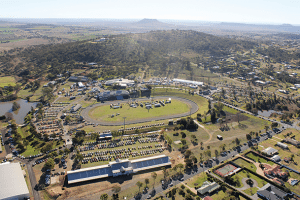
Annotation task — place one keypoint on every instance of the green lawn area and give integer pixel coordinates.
(243, 174)
(251, 191)
(7, 80)
(295, 188)
(35, 95)
(243, 163)
(197, 181)
(30, 151)
(256, 158)
(23, 131)
(171, 91)
(104, 113)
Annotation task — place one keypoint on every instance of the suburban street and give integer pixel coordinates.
(220, 159)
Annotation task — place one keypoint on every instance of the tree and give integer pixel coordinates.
(104, 196)
(67, 151)
(78, 157)
(15, 106)
(237, 141)
(216, 153)
(67, 119)
(267, 128)
(139, 184)
(49, 164)
(201, 143)
(180, 166)
(154, 175)
(94, 136)
(248, 136)
(147, 181)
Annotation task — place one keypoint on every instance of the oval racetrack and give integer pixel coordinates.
(194, 108)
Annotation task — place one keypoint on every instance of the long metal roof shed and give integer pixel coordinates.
(116, 168)
(12, 182)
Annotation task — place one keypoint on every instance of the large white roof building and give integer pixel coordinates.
(117, 168)
(187, 82)
(12, 182)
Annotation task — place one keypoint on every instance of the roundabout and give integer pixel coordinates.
(104, 113)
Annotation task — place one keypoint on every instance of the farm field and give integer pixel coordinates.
(104, 113)
(7, 80)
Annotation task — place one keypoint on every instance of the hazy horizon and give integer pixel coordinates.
(89, 20)
(273, 12)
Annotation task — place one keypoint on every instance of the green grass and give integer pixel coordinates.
(256, 158)
(243, 163)
(7, 80)
(30, 151)
(104, 113)
(197, 181)
(295, 188)
(251, 191)
(171, 91)
(243, 174)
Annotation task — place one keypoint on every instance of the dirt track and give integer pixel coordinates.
(84, 113)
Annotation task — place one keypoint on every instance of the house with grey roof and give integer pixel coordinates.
(208, 187)
(270, 192)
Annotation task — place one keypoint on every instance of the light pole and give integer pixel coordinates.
(124, 124)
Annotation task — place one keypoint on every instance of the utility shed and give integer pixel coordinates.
(12, 182)
(284, 146)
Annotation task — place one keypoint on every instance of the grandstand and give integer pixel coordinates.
(117, 168)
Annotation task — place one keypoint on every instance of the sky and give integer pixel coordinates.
(242, 11)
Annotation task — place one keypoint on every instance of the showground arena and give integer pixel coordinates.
(85, 112)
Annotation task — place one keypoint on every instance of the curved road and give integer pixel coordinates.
(194, 108)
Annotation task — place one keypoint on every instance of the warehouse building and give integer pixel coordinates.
(270, 151)
(117, 168)
(12, 182)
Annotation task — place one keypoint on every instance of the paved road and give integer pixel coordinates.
(194, 108)
(33, 182)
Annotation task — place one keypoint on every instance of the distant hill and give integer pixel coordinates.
(152, 23)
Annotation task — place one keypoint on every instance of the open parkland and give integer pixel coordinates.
(110, 133)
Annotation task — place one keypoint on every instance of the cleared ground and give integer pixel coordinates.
(7, 80)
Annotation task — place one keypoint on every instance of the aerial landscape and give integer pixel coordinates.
(133, 100)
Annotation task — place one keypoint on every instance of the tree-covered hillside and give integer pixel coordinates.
(157, 49)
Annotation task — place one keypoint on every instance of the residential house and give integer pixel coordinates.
(270, 192)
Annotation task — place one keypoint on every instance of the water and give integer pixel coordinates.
(267, 113)
(19, 115)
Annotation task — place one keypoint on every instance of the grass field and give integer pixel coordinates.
(256, 158)
(171, 91)
(197, 181)
(34, 95)
(7, 80)
(244, 174)
(103, 113)
(243, 163)
(251, 191)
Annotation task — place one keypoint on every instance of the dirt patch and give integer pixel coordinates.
(229, 117)
(54, 179)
